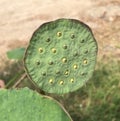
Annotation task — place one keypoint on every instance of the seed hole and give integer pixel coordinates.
(59, 34)
(66, 72)
(85, 61)
(64, 46)
(44, 73)
(48, 40)
(57, 72)
(75, 66)
(53, 50)
(72, 36)
(40, 50)
(71, 80)
(61, 82)
(51, 81)
(75, 53)
(37, 62)
(82, 41)
(64, 60)
(50, 63)
(82, 73)
(86, 51)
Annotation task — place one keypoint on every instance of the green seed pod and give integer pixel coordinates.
(63, 44)
(27, 105)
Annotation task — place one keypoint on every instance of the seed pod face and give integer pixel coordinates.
(71, 47)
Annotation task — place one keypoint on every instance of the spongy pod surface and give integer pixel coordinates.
(61, 56)
(28, 105)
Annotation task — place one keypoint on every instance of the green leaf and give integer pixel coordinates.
(27, 105)
(16, 54)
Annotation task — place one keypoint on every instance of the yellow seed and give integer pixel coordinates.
(66, 72)
(64, 60)
(51, 81)
(53, 50)
(59, 34)
(85, 61)
(61, 82)
(75, 66)
(72, 80)
(40, 50)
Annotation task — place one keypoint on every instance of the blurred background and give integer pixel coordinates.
(99, 99)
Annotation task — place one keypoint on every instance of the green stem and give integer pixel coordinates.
(13, 80)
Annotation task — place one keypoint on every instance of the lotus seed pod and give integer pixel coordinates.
(27, 105)
(65, 50)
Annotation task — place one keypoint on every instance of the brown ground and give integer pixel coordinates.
(19, 19)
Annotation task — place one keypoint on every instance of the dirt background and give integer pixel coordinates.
(19, 19)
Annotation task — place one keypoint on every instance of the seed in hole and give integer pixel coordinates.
(38, 62)
(53, 50)
(85, 61)
(75, 53)
(57, 72)
(59, 34)
(82, 73)
(66, 72)
(40, 50)
(75, 66)
(50, 62)
(72, 36)
(64, 46)
(64, 60)
(48, 40)
(72, 80)
(82, 41)
(44, 73)
(86, 51)
(51, 81)
(61, 82)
